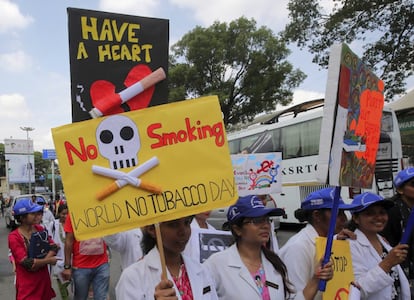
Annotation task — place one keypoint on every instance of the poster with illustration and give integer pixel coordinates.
(351, 123)
(118, 62)
(145, 166)
(339, 286)
(20, 160)
(258, 173)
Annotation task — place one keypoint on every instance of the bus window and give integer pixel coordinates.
(301, 139)
(234, 146)
(386, 122)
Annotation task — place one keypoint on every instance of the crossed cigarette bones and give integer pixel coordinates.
(123, 179)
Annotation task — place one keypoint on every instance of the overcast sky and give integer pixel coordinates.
(34, 53)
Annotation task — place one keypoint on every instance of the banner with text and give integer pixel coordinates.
(146, 166)
(351, 123)
(258, 173)
(117, 62)
(338, 286)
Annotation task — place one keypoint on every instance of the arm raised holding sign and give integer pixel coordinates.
(299, 253)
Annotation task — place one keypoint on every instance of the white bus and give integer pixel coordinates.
(295, 132)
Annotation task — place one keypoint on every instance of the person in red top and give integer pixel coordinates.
(32, 274)
(86, 262)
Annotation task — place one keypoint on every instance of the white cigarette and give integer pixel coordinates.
(142, 85)
(130, 177)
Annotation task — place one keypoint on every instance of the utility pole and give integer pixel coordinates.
(29, 167)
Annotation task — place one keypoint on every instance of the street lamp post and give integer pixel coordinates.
(27, 129)
(7, 179)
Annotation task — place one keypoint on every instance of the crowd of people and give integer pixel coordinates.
(157, 262)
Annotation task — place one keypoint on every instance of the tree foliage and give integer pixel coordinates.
(385, 27)
(244, 65)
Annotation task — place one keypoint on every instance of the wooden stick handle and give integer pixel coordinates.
(161, 251)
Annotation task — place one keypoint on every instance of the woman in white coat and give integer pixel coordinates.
(375, 263)
(187, 279)
(57, 233)
(247, 270)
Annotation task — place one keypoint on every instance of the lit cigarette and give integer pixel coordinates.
(106, 104)
(127, 178)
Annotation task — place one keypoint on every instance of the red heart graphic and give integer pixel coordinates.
(99, 91)
(141, 100)
(102, 90)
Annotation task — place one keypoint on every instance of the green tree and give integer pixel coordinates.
(386, 28)
(44, 167)
(244, 65)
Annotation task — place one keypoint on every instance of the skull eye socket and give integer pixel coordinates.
(106, 137)
(127, 133)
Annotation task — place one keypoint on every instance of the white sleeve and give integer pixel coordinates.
(130, 286)
(116, 241)
(299, 263)
(370, 279)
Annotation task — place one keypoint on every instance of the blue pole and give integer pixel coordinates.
(408, 228)
(331, 232)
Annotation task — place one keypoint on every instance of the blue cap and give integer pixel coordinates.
(403, 176)
(251, 207)
(26, 206)
(367, 199)
(323, 198)
(40, 201)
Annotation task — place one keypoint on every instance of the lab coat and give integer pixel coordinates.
(234, 281)
(128, 244)
(138, 281)
(374, 282)
(192, 249)
(48, 217)
(299, 256)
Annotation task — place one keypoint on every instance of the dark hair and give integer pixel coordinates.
(271, 256)
(18, 218)
(147, 241)
(351, 225)
(280, 267)
(303, 215)
(62, 207)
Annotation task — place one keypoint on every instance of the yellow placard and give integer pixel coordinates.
(338, 287)
(146, 166)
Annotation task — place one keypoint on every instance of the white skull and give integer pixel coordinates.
(118, 141)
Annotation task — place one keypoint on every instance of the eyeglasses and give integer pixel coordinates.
(258, 220)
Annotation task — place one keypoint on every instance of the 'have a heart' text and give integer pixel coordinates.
(124, 34)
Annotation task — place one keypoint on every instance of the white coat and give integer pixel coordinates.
(299, 256)
(138, 281)
(128, 244)
(192, 249)
(48, 217)
(374, 282)
(57, 233)
(234, 281)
